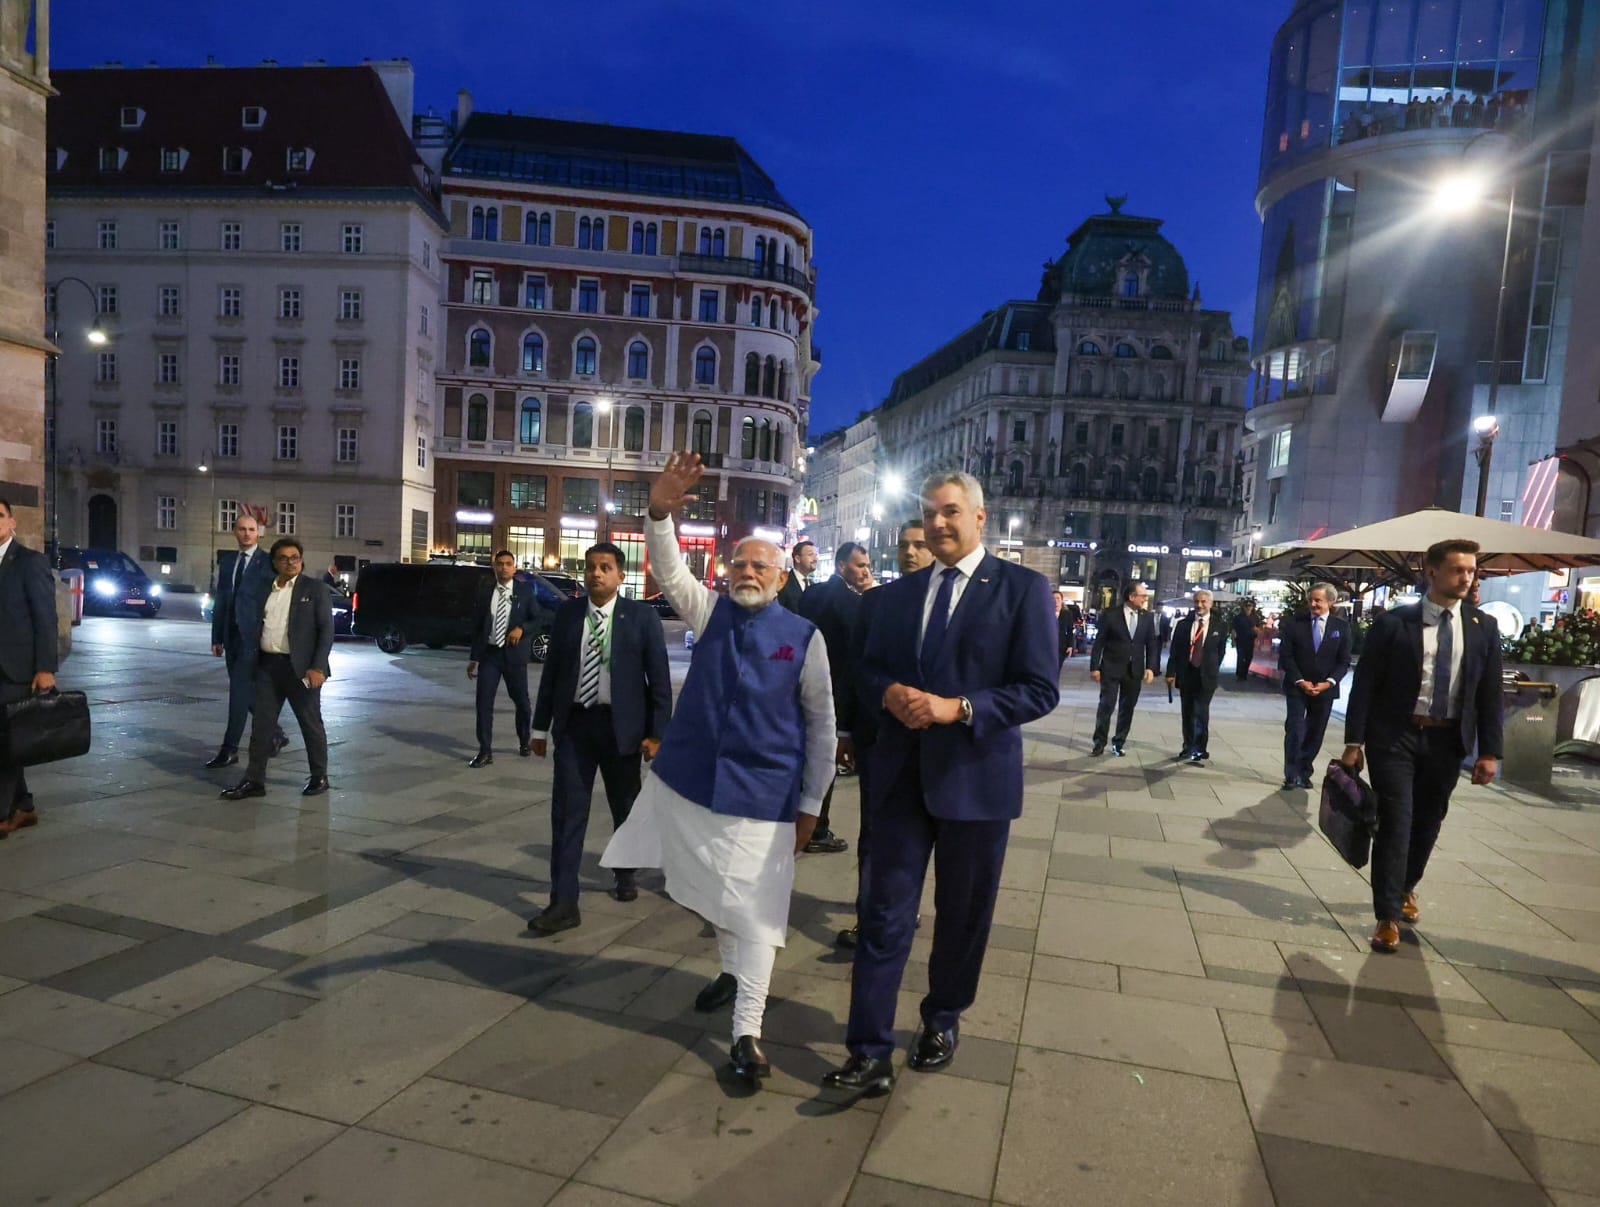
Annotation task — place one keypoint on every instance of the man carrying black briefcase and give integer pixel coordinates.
(27, 653)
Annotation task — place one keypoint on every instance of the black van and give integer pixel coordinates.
(399, 604)
(113, 583)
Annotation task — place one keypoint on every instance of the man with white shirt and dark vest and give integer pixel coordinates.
(243, 581)
(1426, 694)
(499, 652)
(296, 637)
(732, 796)
(605, 695)
(1124, 657)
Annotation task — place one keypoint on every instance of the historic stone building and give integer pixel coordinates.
(1104, 418)
(612, 295)
(24, 85)
(259, 246)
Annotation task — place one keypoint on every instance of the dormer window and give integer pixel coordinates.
(253, 117)
(61, 158)
(235, 159)
(1130, 285)
(112, 159)
(300, 159)
(131, 117)
(173, 159)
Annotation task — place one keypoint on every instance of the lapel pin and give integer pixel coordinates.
(983, 580)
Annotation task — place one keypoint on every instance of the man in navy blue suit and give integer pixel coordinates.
(959, 657)
(1124, 657)
(1314, 655)
(243, 583)
(606, 695)
(506, 616)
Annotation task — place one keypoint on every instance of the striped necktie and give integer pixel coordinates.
(502, 614)
(594, 657)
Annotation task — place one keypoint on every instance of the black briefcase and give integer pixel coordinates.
(1349, 814)
(45, 728)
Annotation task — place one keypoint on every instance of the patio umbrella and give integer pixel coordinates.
(1391, 551)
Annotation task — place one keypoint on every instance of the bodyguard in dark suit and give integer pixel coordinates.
(296, 638)
(1426, 694)
(804, 561)
(243, 580)
(1314, 655)
(834, 607)
(1244, 639)
(28, 651)
(1125, 655)
(501, 640)
(606, 696)
(1198, 644)
(959, 657)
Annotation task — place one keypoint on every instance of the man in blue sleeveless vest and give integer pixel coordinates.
(734, 793)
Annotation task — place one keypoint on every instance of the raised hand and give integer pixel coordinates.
(671, 488)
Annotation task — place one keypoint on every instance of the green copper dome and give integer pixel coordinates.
(1106, 249)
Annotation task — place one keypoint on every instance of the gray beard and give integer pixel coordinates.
(752, 599)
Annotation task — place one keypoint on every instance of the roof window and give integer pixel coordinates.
(299, 159)
(131, 117)
(112, 159)
(235, 159)
(253, 117)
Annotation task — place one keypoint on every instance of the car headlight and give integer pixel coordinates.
(153, 590)
(104, 586)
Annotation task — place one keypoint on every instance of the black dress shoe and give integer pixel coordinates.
(717, 994)
(223, 758)
(826, 842)
(1183, 756)
(1098, 748)
(933, 1050)
(279, 743)
(525, 749)
(626, 889)
(316, 785)
(481, 759)
(1116, 749)
(848, 938)
(1197, 759)
(1289, 785)
(1303, 782)
(243, 789)
(869, 1075)
(1202, 755)
(555, 919)
(749, 1061)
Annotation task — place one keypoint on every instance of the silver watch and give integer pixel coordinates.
(966, 711)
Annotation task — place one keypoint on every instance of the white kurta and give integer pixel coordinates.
(735, 872)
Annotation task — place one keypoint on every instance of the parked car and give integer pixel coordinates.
(113, 583)
(663, 608)
(564, 583)
(435, 604)
(341, 610)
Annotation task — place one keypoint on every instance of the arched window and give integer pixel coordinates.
(633, 430)
(530, 424)
(638, 238)
(1161, 352)
(650, 239)
(583, 426)
(638, 359)
(477, 222)
(719, 242)
(1114, 482)
(761, 252)
(480, 348)
(583, 357)
(491, 223)
(747, 438)
(705, 367)
(1130, 286)
(705, 240)
(533, 353)
(752, 374)
(478, 417)
(530, 227)
(1089, 348)
(700, 433)
(772, 316)
(783, 380)
(788, 256)
(1014, 479)
(769, 377)
(1126, 350)
(1124, 386)
(599, 234)
(766, 440)
(1078, 480)
(1150, 482)
(1208, 485)
(755, 312)
(777, 444)
(583, 234)
(544, 229)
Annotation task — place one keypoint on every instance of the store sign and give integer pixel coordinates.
(697, 530)
(1203, 551)
(774, 535)
(465, 516)
(581, 522)
(1152, 550)
(1082, 546)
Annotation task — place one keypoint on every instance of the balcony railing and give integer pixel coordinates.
(1104, 302)
(738, 266)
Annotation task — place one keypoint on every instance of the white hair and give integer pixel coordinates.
(1199, 591)
(1329, 592)
(970, 485)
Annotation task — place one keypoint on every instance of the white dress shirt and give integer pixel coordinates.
(275, 625)
(1430, 657)
(965, 569)
(606, 614)
(5, 547)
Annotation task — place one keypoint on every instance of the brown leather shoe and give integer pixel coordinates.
(20, 820)
(1409, 910)
(1386, 937)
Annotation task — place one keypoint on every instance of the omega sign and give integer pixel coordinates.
(1153, 550)
(1203, 551)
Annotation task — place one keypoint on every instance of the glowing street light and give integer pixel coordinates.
(1460, 192)
(1486, 428)
(893, 484)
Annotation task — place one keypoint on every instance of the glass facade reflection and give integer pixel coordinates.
(1345, 71)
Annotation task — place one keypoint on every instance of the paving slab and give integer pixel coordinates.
(1142, 1031)
(941, 1132)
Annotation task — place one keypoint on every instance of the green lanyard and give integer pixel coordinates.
(600, 635)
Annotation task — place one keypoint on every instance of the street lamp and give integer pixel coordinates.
(606, 407)
(1486, 428)
(207, 459)
(97, 337)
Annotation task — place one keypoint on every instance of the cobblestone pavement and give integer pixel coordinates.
(334, 1000)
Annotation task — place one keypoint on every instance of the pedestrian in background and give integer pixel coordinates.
(1245, 628)
(28, 652)
(1198, 645)
(1314, 656)
(803, 562)
(501, 641)
(243, 580)
(1124, 657)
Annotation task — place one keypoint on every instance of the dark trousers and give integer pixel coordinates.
(512, 666)
(240, 659)
(13, 780)
(1413, 779)
(587, 744)
(1303, 729)
(1120, 694)
(863, 838)
(1244, 653)
(967, 860)
(1195, 694)
(823, 813)
(275, 683)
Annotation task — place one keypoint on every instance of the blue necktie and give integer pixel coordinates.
(1316, 635)
(1440, 708)
(933, 638)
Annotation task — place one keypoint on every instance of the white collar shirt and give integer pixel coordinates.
(5, 547)
(965, 569)
(275, 623)
(1431, 612)
(606, 615)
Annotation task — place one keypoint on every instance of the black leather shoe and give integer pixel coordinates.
(848, 938)
(1202, 755)
(482, 759)
(243, 789)
(749, 1061)
(1116, 749)
(525, 749)
(826, 842)
(1303, 782)
(933, 1050)
(868, 1075)
(223, 758)
(279, 744)
(626, 889)
(316, 785)
(1099, 748)
(1183, 756)
(1289, 785)
(1197, 759)
(717, 994)
(555, 919)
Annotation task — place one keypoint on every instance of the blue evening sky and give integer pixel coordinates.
(941, 149)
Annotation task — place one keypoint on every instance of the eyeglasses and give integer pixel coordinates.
(740, 565)
(287, 557)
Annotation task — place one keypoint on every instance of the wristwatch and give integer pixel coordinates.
(966, 711)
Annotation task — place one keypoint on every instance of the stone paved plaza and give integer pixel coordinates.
(334, 1000)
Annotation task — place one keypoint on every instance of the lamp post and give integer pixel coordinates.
(606, 407)
(1486, 428)
(206, 460)
(97, 337)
